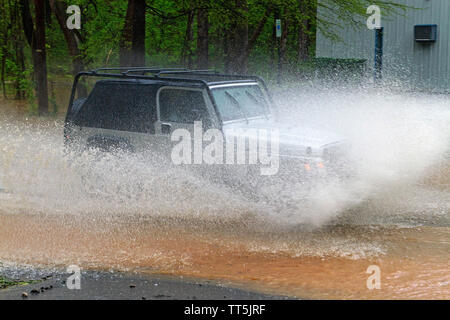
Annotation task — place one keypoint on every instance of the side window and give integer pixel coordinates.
(119, 106)
(182, 106)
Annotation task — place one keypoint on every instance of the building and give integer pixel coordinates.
(407, 58)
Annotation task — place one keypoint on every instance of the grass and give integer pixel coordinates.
(5, 283)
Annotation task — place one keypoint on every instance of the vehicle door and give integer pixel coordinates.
(179, 108)
(118, 115)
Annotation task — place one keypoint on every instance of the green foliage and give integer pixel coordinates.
(5, 282)
(166, 23)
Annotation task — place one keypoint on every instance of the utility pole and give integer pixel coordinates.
(378, 68)
(40, 61)
(278, 36)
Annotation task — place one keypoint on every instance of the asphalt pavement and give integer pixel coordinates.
(113, 286)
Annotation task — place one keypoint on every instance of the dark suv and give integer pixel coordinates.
(138, 109)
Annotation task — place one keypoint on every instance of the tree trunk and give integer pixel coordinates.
(20, 60)
(126, 37)
(273, 41)
(239, 43)
(4, 45)
(186, 53)
(27, 22)
(256, 33)
(3, 70)
(283, 45)
(48, 13)
(132, 42)
(37, 53)
(18, 46)
(40, 67)
(303, 44)
(238, 40)
(303, 37)
(72, 41)
(202, 39)
(226, 49)
(138, 39)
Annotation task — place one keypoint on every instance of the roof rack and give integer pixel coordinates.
(153, 70)
(99, 70)
(155, 73)
(178, 73)
(209, 73)
(127, 70)
(187, 72)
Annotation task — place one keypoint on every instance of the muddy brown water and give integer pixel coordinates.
(410, 245)
(414, 264)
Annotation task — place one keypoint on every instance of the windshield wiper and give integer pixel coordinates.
(257, 101)
(237, 104)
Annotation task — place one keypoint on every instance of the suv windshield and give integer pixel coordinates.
(240, 102)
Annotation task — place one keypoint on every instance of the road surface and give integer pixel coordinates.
(112, 286)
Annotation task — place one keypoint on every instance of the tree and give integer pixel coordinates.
(186, 54)
(17, 54)
(132, 44)
(235, 35)
(306, 28)
(36, 39)
(202, 38)
(237, 39)
(72, 37)
(4, 48)
(40, 60)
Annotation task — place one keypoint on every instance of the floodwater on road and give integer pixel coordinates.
(331, 263)
(395, 215)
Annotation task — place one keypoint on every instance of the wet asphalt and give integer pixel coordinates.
(120, 286)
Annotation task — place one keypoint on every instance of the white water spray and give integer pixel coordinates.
(396, 139)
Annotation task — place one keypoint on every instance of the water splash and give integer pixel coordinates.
(396, 138)
(130, 212)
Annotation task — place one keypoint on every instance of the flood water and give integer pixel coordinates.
(139, 216)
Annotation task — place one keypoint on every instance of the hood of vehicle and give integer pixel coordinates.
(300, 136)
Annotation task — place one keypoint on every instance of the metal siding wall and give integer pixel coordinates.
(424, 65)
